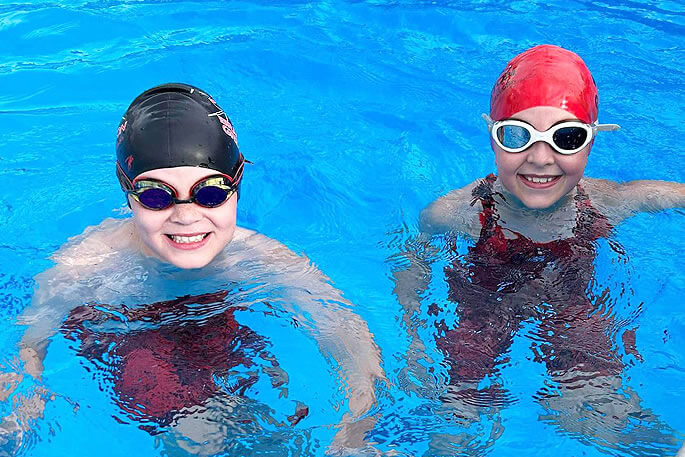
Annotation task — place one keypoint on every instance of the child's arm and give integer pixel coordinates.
(450, 213)
(57, 287)
(29, 406)
(645, 195)
(622, 200)
(412, 272)
(50, 303)
(340, 332)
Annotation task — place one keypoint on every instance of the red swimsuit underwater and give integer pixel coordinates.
(505, 280)
(171, 364)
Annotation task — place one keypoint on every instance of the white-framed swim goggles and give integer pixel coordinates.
(567, 137)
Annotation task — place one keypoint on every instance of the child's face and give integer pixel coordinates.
(540, 162)
(186, 235)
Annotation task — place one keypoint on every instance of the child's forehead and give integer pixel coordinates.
(177, 175)
(543, 117)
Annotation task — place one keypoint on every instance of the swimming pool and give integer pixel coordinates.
(356, 115)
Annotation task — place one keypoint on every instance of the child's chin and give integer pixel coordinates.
(539, 203)
(191, 263)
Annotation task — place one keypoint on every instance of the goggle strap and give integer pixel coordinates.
(487, 119)
(235, 179)
(124, 181)
(606, 127)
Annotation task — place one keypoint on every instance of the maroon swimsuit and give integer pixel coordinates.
(172, 364)
(503, 281)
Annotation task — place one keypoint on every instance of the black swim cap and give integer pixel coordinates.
(176, 125)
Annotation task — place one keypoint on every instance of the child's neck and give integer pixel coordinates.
(554, 222)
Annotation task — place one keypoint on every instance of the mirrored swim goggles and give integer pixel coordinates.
(566, 137)
(209, 192)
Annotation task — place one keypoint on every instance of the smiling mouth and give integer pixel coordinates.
(188, 239)
(539, 181)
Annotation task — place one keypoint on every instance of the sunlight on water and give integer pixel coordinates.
(356, 115)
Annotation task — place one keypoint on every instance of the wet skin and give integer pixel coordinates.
(186, 235)
(518, 171)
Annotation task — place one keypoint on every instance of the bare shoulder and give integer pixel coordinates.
(290, 267)
(242, 233)
(620, 200)
(602, 192)
(258, 242)
(453, 212)
(80, 257)
(96, 243)
(266, 248)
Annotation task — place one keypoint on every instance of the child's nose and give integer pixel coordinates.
(185, 213)
(540, 154)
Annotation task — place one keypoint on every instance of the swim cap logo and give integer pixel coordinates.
(121, 129)
(505, 79)
(129, 162)
(226, 125)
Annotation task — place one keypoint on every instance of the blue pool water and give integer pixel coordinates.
(356, 115)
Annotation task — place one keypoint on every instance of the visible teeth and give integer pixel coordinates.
(187, 239)
(536, 179)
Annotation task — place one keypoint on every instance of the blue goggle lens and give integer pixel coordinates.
(513, 136)
(155, 198)
(211, 196)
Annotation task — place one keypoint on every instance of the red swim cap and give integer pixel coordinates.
(545, 75)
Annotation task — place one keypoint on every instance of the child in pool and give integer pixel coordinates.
(179, 165)
(534, 224)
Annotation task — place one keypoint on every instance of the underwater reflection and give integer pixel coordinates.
(462, 332)
(166, 360)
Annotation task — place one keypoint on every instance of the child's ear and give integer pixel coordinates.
(492, 145)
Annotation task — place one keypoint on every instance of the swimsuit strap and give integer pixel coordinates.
(490, 231)
(590, 223)
(483, 191)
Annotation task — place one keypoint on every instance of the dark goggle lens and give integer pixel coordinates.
(513, 136)
(569, 138)
(211, 196)
(155, 198)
